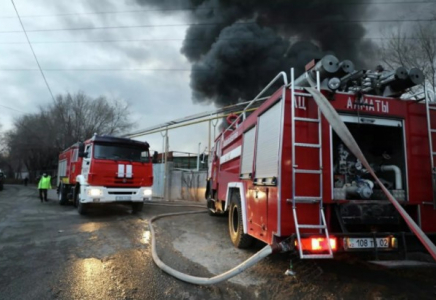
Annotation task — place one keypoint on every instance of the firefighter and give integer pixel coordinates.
(43, 186)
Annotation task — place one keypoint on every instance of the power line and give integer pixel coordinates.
(214, 24)
(34, 55)
(202, 8)
(12, 108)
(199, 40)
(109, 69)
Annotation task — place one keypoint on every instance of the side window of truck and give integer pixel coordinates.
(75, 155)
(145, 156)
(88, 151)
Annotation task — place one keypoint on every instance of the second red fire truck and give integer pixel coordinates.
(105, 169)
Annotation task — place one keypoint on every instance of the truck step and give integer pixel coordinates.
(302, 199)
(309, 226)
(303, 94)
(306, 119)
(307, 145)
(303, 171)
(316, 256)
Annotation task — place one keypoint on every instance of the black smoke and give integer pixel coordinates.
(242, 44)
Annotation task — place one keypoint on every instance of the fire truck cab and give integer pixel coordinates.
(283, 173)
(105, 169)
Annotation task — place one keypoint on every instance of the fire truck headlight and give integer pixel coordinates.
(95, 192)
(147, 192)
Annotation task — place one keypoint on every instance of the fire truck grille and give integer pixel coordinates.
(121, 193)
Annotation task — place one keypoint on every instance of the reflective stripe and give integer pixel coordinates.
(120, 170)
(129, 171)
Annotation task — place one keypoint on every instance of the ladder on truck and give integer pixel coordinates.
(306, 199)
(431, 105)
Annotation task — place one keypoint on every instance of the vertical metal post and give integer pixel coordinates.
(293, 137)
(210, 135)
(166, 182)
(294, 166)
(198, 157)
(163, 148)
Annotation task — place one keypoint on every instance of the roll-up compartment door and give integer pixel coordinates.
(248, 152)
(268, 141)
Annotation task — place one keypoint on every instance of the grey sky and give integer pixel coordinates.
(154, 96)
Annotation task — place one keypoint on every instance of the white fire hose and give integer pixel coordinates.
(345, 135)
(264, 252)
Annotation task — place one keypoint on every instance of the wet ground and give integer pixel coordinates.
(48, 251)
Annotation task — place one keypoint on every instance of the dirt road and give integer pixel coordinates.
(48, 251)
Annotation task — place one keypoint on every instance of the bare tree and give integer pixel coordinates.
(77, 117)
(36, 139)
(413, 48)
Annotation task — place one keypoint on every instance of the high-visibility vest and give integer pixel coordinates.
(45, 183)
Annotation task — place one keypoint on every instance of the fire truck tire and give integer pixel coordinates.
(137, 207)
(75, 195)
(62, 194)
(236, 229)
(81, 207)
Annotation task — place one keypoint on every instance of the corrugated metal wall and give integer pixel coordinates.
(183, 184)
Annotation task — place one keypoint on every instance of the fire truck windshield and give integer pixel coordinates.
(121, 152)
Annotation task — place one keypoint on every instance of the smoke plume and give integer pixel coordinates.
(243, 44)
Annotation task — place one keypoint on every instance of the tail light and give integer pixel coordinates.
(318, 244)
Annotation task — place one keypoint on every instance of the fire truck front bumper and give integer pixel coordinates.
(100, 194)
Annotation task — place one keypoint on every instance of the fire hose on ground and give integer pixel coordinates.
(264, 252)
(345, 135)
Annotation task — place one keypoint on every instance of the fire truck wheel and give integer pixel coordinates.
(81, 207)
(75, 195)
(236, 230)
(137, 207)
(62, 194)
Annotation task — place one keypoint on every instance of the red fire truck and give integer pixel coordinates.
(105, 169)
(283, 174)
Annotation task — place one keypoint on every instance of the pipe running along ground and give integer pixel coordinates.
(345, 135)
(264, 252)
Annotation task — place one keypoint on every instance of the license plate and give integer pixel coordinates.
(363, 243)
(123, 197)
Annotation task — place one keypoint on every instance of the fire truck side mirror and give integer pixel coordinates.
(81, 149)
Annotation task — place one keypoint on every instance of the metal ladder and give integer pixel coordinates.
(431, 105)
(322, 226)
